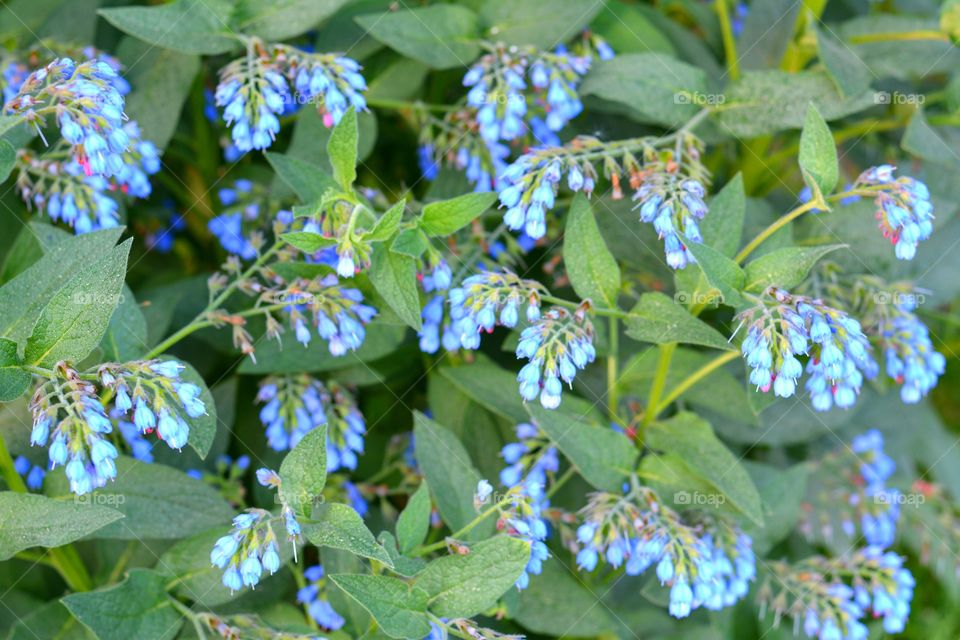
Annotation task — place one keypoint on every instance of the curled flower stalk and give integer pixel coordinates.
(252, 92)
(333, 81)
(488, 299)
(783, 326)
(556, 345)
(904, 210)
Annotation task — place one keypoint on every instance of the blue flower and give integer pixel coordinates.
(487, 299)
(314, 596)
(557, 345)
(333, 81)
(337, 313)
(673, 207)
(903, 208)
(908, 353)
(248, 550)
(33, 474)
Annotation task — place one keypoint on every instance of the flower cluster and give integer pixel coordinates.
(856, 477)
(908, 354)
(783, 326)
(68, 414)
(314, 597)
(88, 107)
(454, 140)
(436, 278)
(556, 345)
(247, 550)
(274, 80)
(708, 564)
(154, 394)
(529, 462)
(487, 299)
(337, 313)
(673, 205)
(241, 224)
(831, 598)
(904, 209)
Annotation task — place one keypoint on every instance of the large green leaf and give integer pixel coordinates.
(721, 273)
(29, 520)
(13, 379)
(342, 150)
(126, 336)
(303, 472)
(76, 317)
(339, 526)
(818, 153)
(138, 607)
(660, 320)
(604, 457)
(187, 26)
(414, 521)
(447, 466)
(394, 276)
(399, 609)
(593, 271)
(785, 267)
(441, 36)
(544, 24)
(283, 19)
(308, 181)
(449, 216)
(461, 586)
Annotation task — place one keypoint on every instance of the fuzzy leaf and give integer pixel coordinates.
(339, 526)
(593, 271)
(399, 609)
(660, 320)
(440, 36)
(303, 472)
(29, 520)
(187, 26)
(394, 276)
(414, 521)
(342, 150)
(446, 217)
(818, 153)
(785, 267)
(13, 379)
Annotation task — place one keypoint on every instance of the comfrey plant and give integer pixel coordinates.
(493, 322)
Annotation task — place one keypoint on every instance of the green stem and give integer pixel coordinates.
(187, 613)
(122, 561)
(775, 226)
(436, 546)
(201, 321)
(900, 36)
(612, 370)
(384, 103)
(693, 379)
(562, 480)
(729, 43)
(659, 381)
(600, 311)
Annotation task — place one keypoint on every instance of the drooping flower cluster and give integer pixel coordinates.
(557, 345)
(708, 563)
(908, 354)
(88, 108)
(153, 392)
(67, 414)
(831, 598)
(314, 597)
(529, 462)
(455, 141)
(436, 278)
(904, 210)
(247, 550)
(295, 405)
(272, 80)
(783, 326)
(673, 204)
(336, 312)
(851, 487)
(487, 299)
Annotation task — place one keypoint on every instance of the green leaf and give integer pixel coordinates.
(159, 502)
(187, 26)
(660, 320)
(403, 565)
(342, 150)
(604, 457)
(593, 271)
(723, 226)
(126, 336)
(765, 33)
(666, 93)
(307, 241)
(448, 469)
(627, 30)
(283, 19)
(785, 267)
(461, 586)
(410, 242)
(691, 441)
(543, 24)
(399, 609)
(851, 75)
(443, 218)
(818, 153)
(303, 472)
(722, 273)
(52, 620)
(23, 299)
(414, 521)
(388, 223)
(307, 180)
(764, 102)
(289, 356)
(13, 380)
(8, 157)
(440, 36)
(923, 141)
(161, 81)
(30, 520)
(138, 607)
(339, 526)
(75, 319)
(394, 276)
(559, 604)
